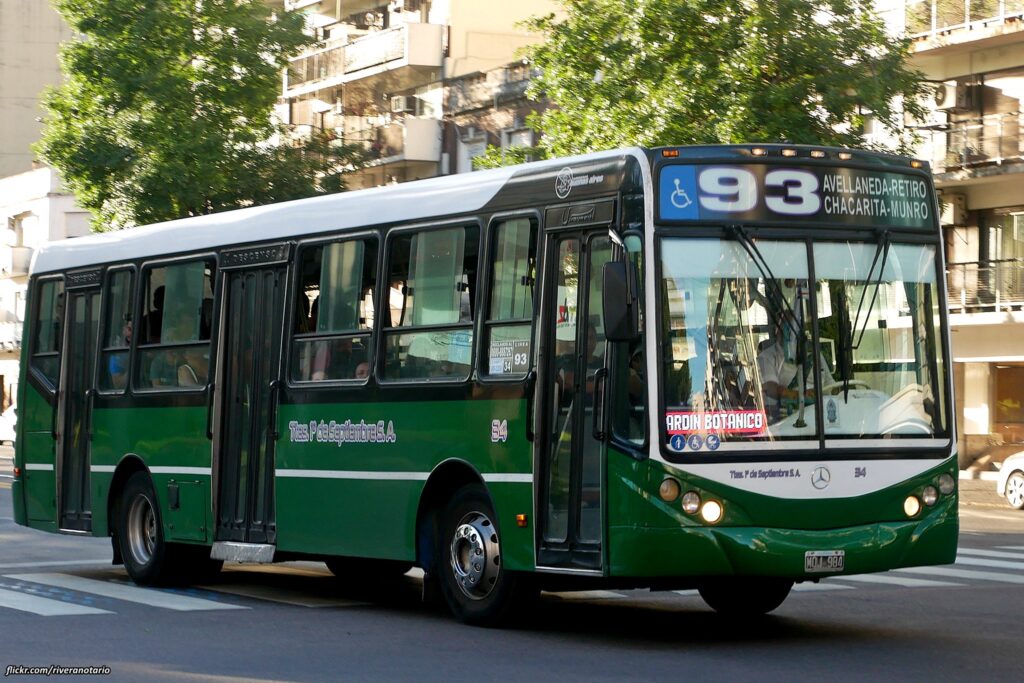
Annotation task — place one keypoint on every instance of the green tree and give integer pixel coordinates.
(166, 110)
(669, 72)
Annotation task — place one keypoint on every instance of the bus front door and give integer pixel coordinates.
(82, 330)
(250, 368)
(572, 450)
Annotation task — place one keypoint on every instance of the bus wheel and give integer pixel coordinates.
(477, 588)
(140, 535)
(745, 596)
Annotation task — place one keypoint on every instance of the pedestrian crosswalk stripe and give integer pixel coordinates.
(120, 591)
(1011, 547)
(906, 582)
(808, 587)
(995, 564)
(46, 607)
(990, 553)
(687, 593)
(952, 572)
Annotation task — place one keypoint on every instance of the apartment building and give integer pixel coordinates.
(34, 207)
(422, 85)
(973, 53)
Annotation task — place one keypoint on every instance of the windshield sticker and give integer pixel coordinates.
(722, 421)
(508, 356)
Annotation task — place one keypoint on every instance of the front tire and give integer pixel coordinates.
(745, 596)
(1015, 490)
(475, 584)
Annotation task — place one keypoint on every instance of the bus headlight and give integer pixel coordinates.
(911, 506)
(691, 502)
(669, 490)
(946, 484)
(711, 511)
(930, 495)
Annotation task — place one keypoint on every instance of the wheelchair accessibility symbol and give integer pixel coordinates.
(679, 198)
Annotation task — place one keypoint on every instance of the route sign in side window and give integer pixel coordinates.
(117, 330)
(513, 286)
(49, 330)
(432, 277)
(334, 311)
(174, 332)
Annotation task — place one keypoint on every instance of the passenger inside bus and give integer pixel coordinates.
(780, 370)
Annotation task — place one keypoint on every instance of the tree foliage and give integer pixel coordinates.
(166, 110)
(669, 72)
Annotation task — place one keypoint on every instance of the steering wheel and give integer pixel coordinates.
(836, 387)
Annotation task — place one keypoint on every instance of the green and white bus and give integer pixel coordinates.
(722, 367)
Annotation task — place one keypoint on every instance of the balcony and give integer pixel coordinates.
(19, 260)
(984, 141)
(930, 19)
(408, 139)
(403, 52)
(986, 287)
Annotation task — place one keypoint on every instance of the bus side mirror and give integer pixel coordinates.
(620, 306)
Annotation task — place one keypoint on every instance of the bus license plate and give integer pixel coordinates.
(817, 561)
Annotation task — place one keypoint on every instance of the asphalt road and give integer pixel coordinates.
(294, 622)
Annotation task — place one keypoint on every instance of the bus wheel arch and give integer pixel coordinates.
(442, 484)
(129, 465)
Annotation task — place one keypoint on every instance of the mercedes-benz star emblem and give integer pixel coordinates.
(820, 477)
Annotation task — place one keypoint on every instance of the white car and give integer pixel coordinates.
(7, 422)
(1011, 480)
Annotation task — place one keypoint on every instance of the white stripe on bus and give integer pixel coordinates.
(498, 477)
(45, 607)
(40, 466)
(120, 591)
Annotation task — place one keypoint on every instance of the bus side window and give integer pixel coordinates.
(117, 330)
(174, 331)
(432, 277)
(48, 329)
(334, 311)
(507, 328)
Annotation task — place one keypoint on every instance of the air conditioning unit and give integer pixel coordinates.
(954, 209)
(400, 103)
(953, 96)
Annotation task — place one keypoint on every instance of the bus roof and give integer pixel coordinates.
(415, 200)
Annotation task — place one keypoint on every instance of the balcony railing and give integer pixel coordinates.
(985, 286)
(336, 61)
(987, 140)
(928, 18)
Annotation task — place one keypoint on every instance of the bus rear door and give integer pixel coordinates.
(76, 398)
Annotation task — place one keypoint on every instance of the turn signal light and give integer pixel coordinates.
(17, 472)
(669, 490)
(521, 520)
(946, 484)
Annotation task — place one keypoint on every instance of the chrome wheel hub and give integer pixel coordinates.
(475, 556)
(142, 531)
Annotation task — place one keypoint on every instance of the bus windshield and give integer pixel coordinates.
(778, 340)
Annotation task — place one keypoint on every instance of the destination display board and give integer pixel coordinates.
(758, 193)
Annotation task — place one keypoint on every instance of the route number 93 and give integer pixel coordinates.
(734, 190)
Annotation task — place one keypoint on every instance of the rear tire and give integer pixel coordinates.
(475, 584)
(746, 596)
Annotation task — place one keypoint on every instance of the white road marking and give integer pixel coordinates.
(990, 553)
(995, 564)
(60, 563)
(588, 595)
(808, 587)
(45, 607)
(948, 572)
(906, 582)
(119, 591)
